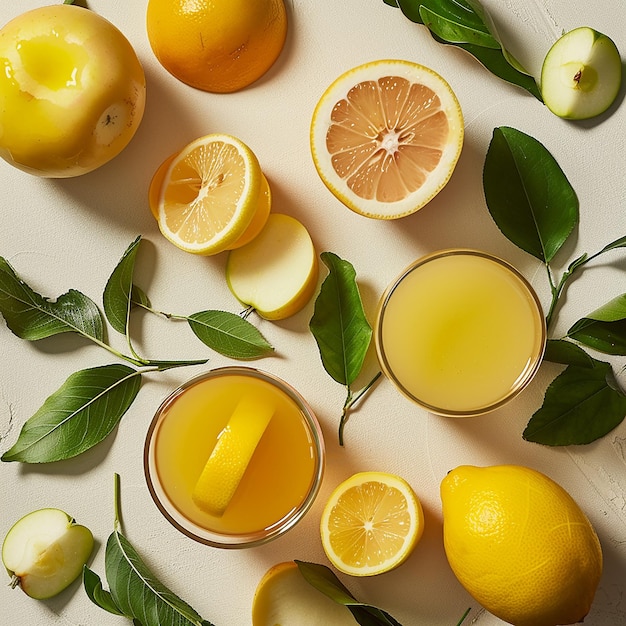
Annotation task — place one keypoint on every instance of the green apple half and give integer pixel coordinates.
(283, 596)
(45, 551)
(277, 272)
(581, 74)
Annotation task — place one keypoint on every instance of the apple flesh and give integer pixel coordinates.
(581, 74)
(45, 551)
(277, 272)
(284, 597)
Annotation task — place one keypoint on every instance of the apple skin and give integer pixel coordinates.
(72, 91)
(277, 272)
(45, 551)
(581, 74)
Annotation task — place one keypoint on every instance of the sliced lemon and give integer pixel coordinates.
(371, 523)
(207, 195)
(231, 455)
(386, 137)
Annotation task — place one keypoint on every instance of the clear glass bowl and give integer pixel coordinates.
(460, 332)
(220, 537)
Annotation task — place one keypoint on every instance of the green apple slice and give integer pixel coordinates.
(283, 596)
(45, 551)
(277, 272)
(581, 74)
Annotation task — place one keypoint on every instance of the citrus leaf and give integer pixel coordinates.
(80, 414)
(140, 297)
(581, 405)
(31, 316)
(229, 334)
(467, 25)
(604, 329)
(566, 353)
(324, 580)
(527, 194)
(95, 592)
(117, 297)
(138, 593)
(339, 325)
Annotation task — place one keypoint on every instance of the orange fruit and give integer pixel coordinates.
(211, 196)
(386, 137)
(217, 45)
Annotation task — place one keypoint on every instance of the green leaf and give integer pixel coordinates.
(140, 297)
(581, 405)
(467, 25)
(567, 353)
(79, 415)
(138, 593)
(604, 329)
(527, 194)
(618, 243)
(95, 592)
(324, 580)
(229, 334)
(31, 316)
(117, 297)
(339, 325)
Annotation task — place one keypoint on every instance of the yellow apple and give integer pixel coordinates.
(284, 597)
(72, 91)
(276, 273)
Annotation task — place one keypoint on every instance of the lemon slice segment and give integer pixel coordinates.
(208, 194)
(386, 137)
(231, 456)
(371, 523)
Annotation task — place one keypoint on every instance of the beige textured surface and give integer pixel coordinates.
(70, 234)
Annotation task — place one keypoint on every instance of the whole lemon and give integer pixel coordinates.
(520, 545)
(72, 91)
(217, 45)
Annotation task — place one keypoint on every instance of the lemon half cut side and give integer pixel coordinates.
(209, 194)
(386, 137)
(371, 523)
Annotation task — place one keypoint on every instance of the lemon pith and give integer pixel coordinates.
(386, 136)
(520, 544)
(231, 455)
(371, 523)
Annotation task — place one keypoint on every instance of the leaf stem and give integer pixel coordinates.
(351, 400)
(464, 616)
(116, 502)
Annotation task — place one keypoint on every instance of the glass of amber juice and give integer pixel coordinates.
(460, 332)
(281, 479)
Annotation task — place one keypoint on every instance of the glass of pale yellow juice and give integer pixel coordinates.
(460, 332)
(281, 479)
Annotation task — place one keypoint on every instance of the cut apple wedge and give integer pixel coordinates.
(276, 273)
(581, 74)
(45, 551)
(284, 597)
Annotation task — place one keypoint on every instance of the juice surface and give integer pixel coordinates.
(460, 332)
(279, 475)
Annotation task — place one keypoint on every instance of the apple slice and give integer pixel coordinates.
(277, 272)
(581, 74)
(45, 551)
(284, 597)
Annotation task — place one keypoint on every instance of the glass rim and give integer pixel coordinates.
(524, 378)
(234, 540)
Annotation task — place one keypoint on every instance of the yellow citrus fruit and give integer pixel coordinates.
(217, 45)
(231, 455)
(386, 137)
(72, 91)
(210, 196)
(371, 523)
(520, 544)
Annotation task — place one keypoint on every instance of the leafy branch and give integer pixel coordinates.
(341, 330)
(134, 591)
(535, 207)
(467, 25)
(91, 402)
